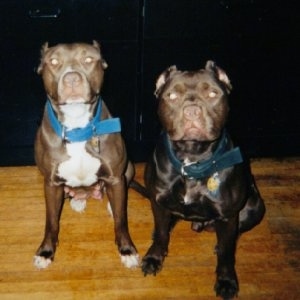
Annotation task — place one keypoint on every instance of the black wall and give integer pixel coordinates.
(255, 41)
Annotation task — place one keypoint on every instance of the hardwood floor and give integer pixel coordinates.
(87, 265)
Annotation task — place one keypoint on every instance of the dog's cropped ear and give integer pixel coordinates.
(98, 47)
(104, 63)
(163, 77)
(220, 74)
(44, 49)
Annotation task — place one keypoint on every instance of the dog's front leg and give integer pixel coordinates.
(54, 196)
(227, 233)
(164, 222)
(117, 195)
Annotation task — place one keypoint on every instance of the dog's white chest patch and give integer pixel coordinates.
(81, 168)
(76, 115)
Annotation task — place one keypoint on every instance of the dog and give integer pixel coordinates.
(196, 174)
(78, 147)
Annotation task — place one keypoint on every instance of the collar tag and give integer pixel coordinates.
(213, 184)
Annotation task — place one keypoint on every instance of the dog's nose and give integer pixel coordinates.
(72, 79)
(192, 112)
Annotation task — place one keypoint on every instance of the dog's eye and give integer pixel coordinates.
(173, 96)
(88, 60)
(212, 94)
(54, 61)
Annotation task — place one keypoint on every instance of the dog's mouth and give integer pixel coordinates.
(193, 131)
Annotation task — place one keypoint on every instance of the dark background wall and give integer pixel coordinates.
(255, 41)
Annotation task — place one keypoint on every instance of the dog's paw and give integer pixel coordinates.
(129, 256)
(130, 261)
(78, 205)
(41, 262)
(151, 265)
(226, 288)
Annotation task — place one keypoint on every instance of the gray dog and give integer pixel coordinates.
(196, 173)
(78, 147)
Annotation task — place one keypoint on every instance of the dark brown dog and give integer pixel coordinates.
(78, 144)
(196, 174)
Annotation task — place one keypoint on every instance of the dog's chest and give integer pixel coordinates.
(81, 168)
(198, 190)
(192, 199)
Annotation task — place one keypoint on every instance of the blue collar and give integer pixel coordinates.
(94, 128)
(222, 158)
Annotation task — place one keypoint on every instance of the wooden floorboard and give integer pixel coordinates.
(87, 265)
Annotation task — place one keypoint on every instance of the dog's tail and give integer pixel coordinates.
(139, 188)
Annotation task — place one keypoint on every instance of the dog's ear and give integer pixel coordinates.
(98, 47)
(104, 63)
(220, 74)
(44, 49)
(163, 77)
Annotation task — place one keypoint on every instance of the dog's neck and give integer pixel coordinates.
(75, 115)
(202, 159)
(89, 127)
(190, 151)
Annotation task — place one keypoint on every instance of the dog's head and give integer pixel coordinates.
(72, 73)
(193, 104)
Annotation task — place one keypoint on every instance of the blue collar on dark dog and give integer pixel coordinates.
(222, 158)
(94, 128)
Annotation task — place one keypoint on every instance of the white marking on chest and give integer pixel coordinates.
(81, 168)
(187, 199)
(76, 115)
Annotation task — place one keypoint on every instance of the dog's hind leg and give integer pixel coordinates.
(253, 212)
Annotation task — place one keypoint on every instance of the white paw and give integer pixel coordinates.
(41, 262)
(78, 205)
(109, 209)
(130, 261)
